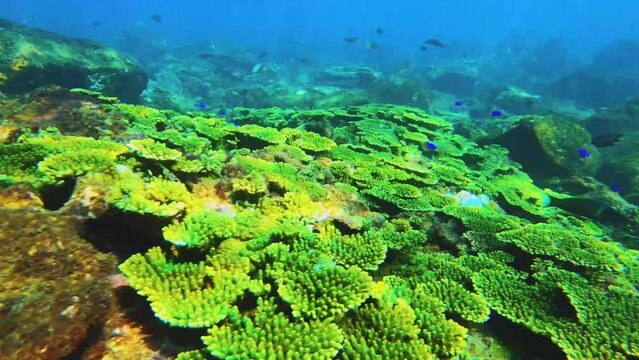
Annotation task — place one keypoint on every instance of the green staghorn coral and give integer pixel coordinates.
(325, 290)
(152, 150)
(201, 230)
(563, 244)
(383, 331)
(603, 329)
(269, 334)
(158, 196)
(367, 250)
(190, 294)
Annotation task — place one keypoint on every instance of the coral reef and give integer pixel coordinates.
(282, 241)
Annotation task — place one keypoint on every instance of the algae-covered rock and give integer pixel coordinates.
(517, 101)
(549, 146)
(622, 118)
(592, 89)
(55, 285)
(345, 76)
(71, 112)
(30, 58)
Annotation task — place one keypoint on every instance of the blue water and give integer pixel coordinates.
(316, 29)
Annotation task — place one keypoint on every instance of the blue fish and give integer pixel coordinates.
(496, 113)
(459, 103)
(584, 153)
(235, 123)
(289, 116)
(615, 188)
(222, 112)
(431, 145)
(201, 105)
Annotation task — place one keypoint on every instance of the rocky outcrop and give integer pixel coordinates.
(30, 58)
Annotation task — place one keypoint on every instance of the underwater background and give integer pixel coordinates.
(319, 180)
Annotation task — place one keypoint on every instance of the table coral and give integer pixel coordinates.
(333, 240)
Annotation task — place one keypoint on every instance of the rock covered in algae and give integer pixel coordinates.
(550, 146)
(55, 285)
(31, 58)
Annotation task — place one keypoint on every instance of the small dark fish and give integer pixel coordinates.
(351, 39)
(289, 116)
(583, 153)
(96, 23)
(459, 103)
(431, 145)
(201, 105)
(615, 188)
(235, 123)
(157, 18)
(262, 55)
(372, 45)
(606, 140)
(222, 112)
(435, 42)
(204, 56)
(496, 113)
(423, 48)
(379, 30)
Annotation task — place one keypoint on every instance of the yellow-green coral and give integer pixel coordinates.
(201, 230)
(269, 334)
(190, 294)
(383, 331)
(325, 290)
(563, 244)
(150, 149)
(605, 328)
(158, 197)
(366, 250)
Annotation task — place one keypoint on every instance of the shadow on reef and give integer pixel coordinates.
(122, 233)
(166, 341)
(526, 344)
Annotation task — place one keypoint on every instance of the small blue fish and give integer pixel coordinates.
(584, 153)
(431, 145)
(222, 112)
(235, 123)
(459, 103)
(615, 188)
(496, 113)
(201, 105)
(289, 116)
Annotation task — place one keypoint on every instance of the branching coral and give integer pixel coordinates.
(324, 291)
(190, 294)
(269, 334)
(384, 331)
